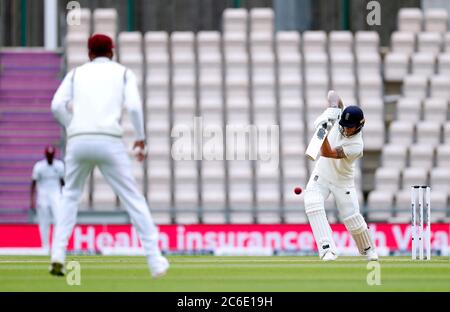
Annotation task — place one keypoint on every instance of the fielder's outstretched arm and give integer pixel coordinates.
(327, 151)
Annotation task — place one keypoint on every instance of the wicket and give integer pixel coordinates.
(420, 239)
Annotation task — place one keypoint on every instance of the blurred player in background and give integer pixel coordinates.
(48, 178)
(334, 173)
(89, 104)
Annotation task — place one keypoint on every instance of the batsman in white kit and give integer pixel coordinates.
(47, 179)
(89, 104)
(334, 173)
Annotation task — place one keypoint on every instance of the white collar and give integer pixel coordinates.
(101, 59)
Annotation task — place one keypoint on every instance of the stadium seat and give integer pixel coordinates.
(444, 63)
(289, 68)
(261, 20)
(408, 109)
(261, 44)
(435, 109)
(421, 155)
(242, 216)
(76, 49)
(185, 184)
(403, 206)
(290, 88)
(158, 92)
(368, 64)
(292, 123)
(213, 186)
(447, 42)
(314, 42)
(436, 20)
(157, 57)
(370, 86)
(316, 88)
(340, 42)
(439, 202)
(184, 94)
(374, 129)
(403, 42)
(208, 43)
(394, 156)
(387, 178)
(396, 66)
(159, 195)
(430, 42)
(236, 68)
(346, 85)
(440, 86)
(440, 179)
(210, 95)
(267, 186)
(183, 57)
(235, 20)
(287, 44)
(263, 68)
(84, 26)
(209, 56)
(447, 132)
(105, 22)
(428, 132)
(367, 42)
(415, 86)
(443, 156)
(131, 53)
(379, 205)
(212, 217)
(292, 144)
(410, 19)
(401, 132)
(342, 64)
(373, 107)
(423, 63)
(316, 64)
(235, 45)
(414, 176)
(103, 197)
(159, 144)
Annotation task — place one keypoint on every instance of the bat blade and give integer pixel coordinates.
(313, 149)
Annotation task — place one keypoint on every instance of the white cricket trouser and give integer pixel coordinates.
(83, 153)
(317, 191)
(47, 206)
(346, 198)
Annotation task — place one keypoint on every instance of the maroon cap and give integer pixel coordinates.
(100, 44)
(49, 150)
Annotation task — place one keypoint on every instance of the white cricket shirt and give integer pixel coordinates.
(47, 176)
(340, 171)
(91, 98)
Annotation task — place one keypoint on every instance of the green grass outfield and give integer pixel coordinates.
(208, 273)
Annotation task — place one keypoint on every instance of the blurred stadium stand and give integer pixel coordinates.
(251, 73)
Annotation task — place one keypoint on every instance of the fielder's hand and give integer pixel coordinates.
(140, 150)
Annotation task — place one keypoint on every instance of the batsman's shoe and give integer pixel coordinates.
(372, 255)
(158, 266)
(329, 256)
(57, 269)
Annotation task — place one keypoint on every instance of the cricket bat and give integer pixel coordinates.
(322, 130)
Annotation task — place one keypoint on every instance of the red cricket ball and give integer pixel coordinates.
(298, 190)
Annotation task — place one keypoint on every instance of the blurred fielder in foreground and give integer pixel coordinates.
(47, 178)
(89, 104)
(334, 173)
